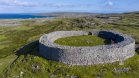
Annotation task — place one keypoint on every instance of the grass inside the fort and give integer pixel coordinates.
(83, 40)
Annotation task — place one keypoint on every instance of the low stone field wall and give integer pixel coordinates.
(123, 48)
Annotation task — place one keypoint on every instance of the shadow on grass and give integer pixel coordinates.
(31, 48)
(137, 48)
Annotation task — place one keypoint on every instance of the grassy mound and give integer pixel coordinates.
(84, 40)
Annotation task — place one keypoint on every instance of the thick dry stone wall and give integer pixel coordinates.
(121, 50)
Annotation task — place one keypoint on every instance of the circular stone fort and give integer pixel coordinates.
(122, 49)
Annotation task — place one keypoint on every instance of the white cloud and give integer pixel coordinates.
(36, 4)
(66, 5)
(17, 3)
(29, 6)
(110, 3)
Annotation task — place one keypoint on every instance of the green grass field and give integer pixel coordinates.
(84, 40)
(13, 38)
(5, 62)
(2, 37)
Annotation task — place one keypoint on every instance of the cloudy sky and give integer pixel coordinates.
(43, 6)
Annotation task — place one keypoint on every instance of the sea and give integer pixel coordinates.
(21, 16)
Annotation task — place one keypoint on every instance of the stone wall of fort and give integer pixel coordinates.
(123, 48)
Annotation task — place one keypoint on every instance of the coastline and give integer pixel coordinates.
(18, 22)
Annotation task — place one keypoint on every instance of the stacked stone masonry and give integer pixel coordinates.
(87, 55)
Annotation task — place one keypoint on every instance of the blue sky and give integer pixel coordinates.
(43, 6)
